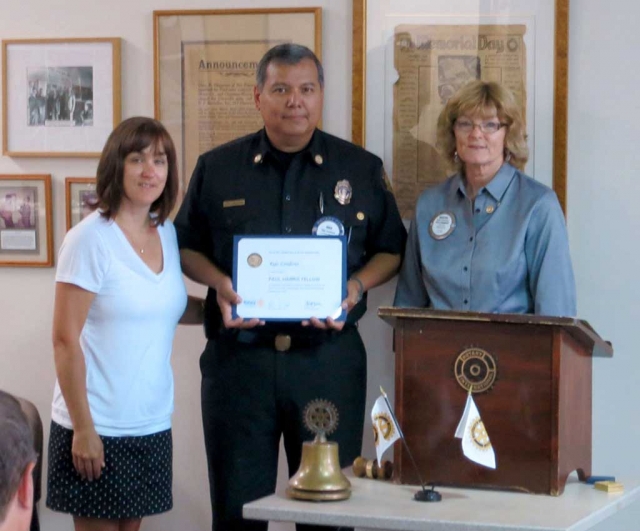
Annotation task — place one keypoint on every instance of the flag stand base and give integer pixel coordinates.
(428, 495)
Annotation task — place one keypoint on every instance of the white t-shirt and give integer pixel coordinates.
(128, 334)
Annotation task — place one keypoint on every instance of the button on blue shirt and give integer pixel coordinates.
(508, 252)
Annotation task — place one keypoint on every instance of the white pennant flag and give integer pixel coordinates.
(385, 430)
(475, 439)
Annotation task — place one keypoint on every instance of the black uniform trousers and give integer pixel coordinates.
(252, 395)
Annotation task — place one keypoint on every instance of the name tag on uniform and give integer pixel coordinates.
(233, 203)
(328, 226)
(442, 225)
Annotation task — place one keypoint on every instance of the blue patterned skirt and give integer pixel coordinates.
(135, 482)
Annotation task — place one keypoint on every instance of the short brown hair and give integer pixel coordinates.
(475, 98)
(16, 449)
(134, 135)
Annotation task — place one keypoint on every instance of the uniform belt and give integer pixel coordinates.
(282, 342)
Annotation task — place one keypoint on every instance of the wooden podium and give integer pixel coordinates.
(531, 379)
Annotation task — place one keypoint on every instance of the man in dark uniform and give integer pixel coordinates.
(257, 377)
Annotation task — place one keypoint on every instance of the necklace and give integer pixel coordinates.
(146, 241)
(138, 246)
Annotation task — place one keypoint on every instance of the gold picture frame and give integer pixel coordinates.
(26, 230)
(80, 195)
(204, 71)
(560, 77)
(60, 97)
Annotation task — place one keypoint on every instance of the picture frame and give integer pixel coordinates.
(547, 112)
(26, 221)
(204, 71)
(60, 97)
(80, 194)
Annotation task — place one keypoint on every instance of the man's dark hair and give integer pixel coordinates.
(16, 449)
(288, 54)
(134, 135)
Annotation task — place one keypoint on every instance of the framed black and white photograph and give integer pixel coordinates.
(80, 194)
(61, 97)
(26, 236)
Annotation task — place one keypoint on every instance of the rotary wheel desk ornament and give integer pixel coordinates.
(319, 477)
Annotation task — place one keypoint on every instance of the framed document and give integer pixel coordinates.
(205, 70)
(60, 97)
(26, 233)
(290, 278)
(408, 61)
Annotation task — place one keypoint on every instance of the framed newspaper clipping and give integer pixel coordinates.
(205, 65)
(60, 97)
(26, 233)
(409, 61)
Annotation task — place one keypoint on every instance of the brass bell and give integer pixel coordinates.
(319, 477)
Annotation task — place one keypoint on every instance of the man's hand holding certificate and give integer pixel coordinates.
(290, 278)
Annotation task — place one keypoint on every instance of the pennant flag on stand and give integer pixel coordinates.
(385, 429)
(475, 439)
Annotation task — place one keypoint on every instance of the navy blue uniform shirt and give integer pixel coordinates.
(241, 188)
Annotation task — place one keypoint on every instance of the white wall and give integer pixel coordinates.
(603, 224)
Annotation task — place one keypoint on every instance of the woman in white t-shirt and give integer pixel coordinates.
(119, 296)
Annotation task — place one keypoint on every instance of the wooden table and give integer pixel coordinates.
(381, 505)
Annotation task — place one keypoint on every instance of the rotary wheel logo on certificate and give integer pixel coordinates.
(254, 260)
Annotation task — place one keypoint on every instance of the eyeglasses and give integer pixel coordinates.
(488, 128)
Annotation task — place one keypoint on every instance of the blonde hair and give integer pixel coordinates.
(478, 98)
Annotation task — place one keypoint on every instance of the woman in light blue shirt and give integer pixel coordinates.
(489, 238)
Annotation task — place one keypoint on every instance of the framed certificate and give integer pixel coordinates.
(290, 278)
